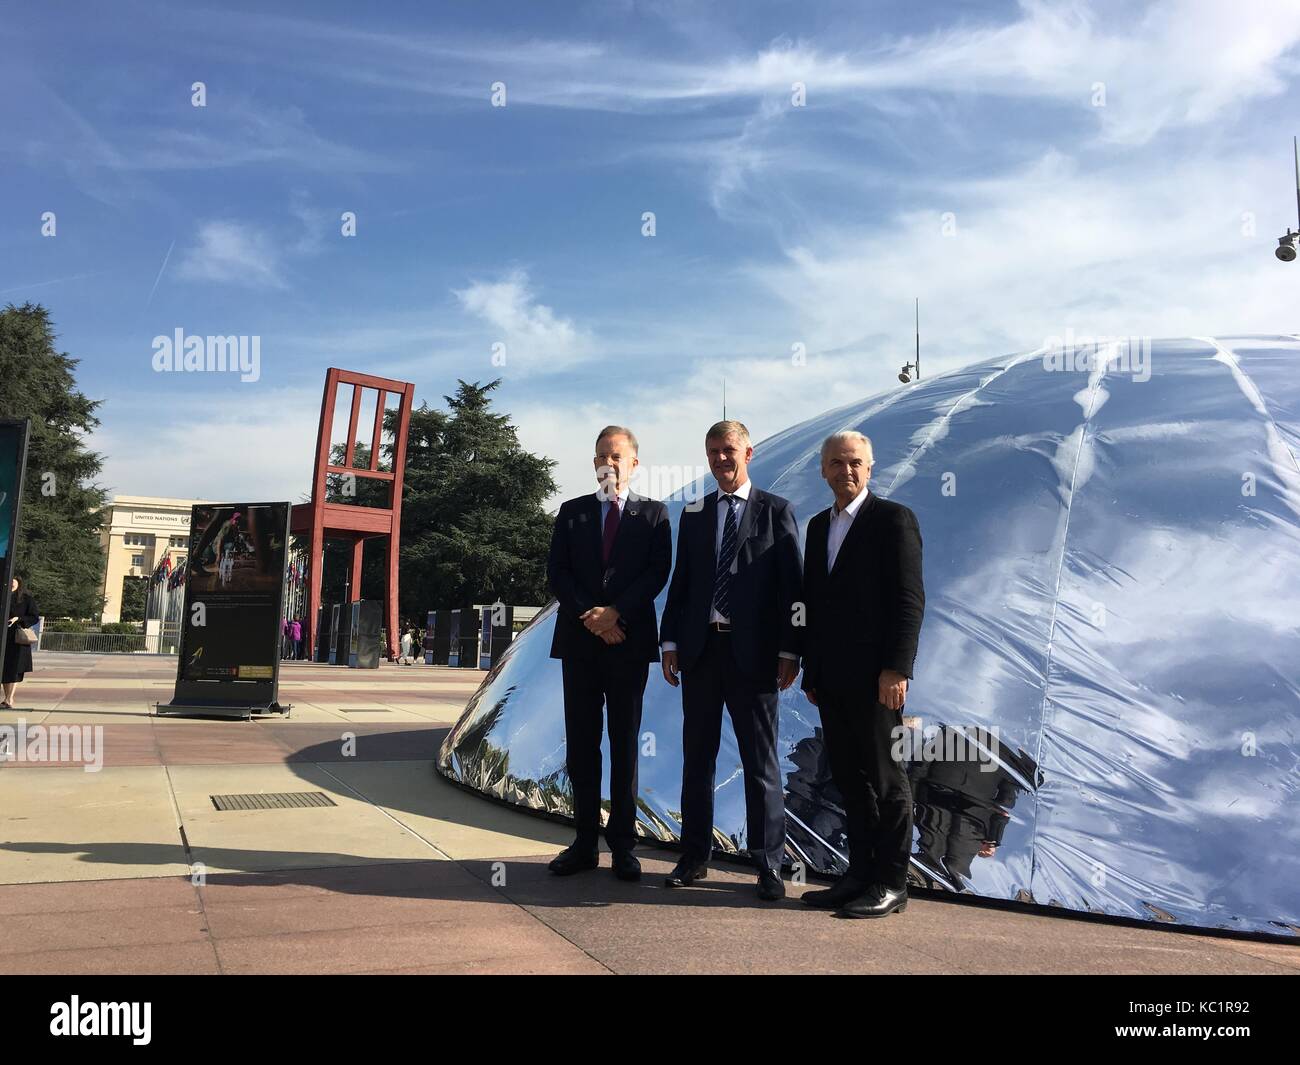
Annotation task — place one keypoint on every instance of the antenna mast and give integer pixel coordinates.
(1296, 149)
(918, 338)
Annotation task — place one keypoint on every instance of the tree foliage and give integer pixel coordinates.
(473, 525)
(58, 550)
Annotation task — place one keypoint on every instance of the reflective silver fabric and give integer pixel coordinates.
(1108, 685)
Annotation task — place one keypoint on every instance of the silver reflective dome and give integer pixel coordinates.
(1112, 568)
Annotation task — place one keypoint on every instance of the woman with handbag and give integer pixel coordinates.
(19, 638)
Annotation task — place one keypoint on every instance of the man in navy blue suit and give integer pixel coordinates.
(730, 628)
(611, 551)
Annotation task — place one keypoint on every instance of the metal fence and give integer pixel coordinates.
(102, 643)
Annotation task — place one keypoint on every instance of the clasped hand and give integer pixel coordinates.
(602, 621)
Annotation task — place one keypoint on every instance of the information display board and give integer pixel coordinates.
(13, 461)
(367, 620)
(234, 604)
(468, 637)
(325, 632)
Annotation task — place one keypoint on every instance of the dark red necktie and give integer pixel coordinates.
(611, 530)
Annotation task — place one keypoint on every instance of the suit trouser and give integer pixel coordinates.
(713, 681)
(591, 687)
(860, 736)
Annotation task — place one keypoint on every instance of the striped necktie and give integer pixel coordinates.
(726, 555)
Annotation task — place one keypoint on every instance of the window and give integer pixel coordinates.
(139, 539)
(137, 560)
(179, 541)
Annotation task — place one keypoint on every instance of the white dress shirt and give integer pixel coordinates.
(839, 525)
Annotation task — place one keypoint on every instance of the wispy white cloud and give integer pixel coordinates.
(1173, 63)
(243, 132)
(671, 415)
(535, 337)
(1068, 215)
(317, 223)
(1176, 63)
(239, 442)
(1163, 251)
(235, 253)
(242, 254)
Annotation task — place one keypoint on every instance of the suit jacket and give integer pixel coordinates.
(865, 615)
(638, 569)
(765, 585)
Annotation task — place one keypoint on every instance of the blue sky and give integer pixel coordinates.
(1124, 212)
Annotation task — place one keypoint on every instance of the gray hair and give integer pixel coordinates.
(844, 436)
(721, 430)
(618, 430)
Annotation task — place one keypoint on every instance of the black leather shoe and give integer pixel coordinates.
(685, 872)
(846, 889)
(770, 885)
(881, 901)
(626, 866)
(574, 860)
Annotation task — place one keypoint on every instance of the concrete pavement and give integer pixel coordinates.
(132, 869)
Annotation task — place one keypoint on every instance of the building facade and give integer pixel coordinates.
(136, 534)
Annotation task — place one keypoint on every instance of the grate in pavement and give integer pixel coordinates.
(272, 800)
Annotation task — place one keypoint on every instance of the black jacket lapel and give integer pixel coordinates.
(709, 530)
(857, 531)
(814, 553)
(631, 512)
(749, 520)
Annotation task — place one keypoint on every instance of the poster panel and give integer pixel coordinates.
(234, 606)
(13, 461)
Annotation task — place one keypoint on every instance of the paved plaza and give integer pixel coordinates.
(408, 873)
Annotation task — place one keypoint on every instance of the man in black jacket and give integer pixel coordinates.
(729, 626)
(611, 552)
(865, 599)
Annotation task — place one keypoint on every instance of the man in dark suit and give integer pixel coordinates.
(962, 804)
(865, 599)
(729, 627)
(611, 552)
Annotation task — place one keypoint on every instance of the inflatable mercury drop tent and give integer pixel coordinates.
(1106, 703)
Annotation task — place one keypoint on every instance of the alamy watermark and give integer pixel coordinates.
(212, 354)
(77, 1018)
(946, 744)
(82, 744)
(1084, 354)
(659, 481)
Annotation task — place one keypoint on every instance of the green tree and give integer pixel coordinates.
(58, 549)
(135, 596)
(473, 526)
(357, 489)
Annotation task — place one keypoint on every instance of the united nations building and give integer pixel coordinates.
(137, 533)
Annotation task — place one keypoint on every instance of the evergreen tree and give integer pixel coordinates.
(58, 550)
(473, 526)
(135, 598)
